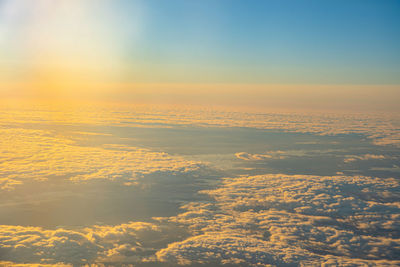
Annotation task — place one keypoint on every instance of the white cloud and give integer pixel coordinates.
(130, 241)
(352, 158)
(291, 220)
(253, 220)
(256, 157)
(41, 155)
(13, 264)
(382, 129)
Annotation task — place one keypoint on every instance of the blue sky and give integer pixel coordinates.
(274, 41)
(219, 41)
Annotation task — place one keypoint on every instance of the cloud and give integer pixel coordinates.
(125, 242)
(13, 264)
(293, 220)
(42, 155)
(381, 129)
(363, 157)
(251, 220)
(33, 244)
(256, 157)
(283, 220)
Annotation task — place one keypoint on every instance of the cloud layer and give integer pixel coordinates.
(128, 242)
(41, 155)
(293, 219)
(364, 157)
(284, 220)
(382, 129)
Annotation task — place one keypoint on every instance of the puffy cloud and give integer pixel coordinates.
(382, 129)
(13, 264)
(251, 221)
(40, 155)
(33, 244)
(268, 155)
(293, 220)
(363, 157)
(126, 242)
(228, 248)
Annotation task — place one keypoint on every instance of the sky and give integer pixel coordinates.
(277, 41)
(226, 133)
(49, 47)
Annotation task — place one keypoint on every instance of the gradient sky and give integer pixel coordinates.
(273, 41)
(58, 45)
(217, 41)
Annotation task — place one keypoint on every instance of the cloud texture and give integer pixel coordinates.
(274, 219)
(41, 155)
(120, 243)
(293, 219)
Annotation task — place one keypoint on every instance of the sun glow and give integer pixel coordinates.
(61, 47)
